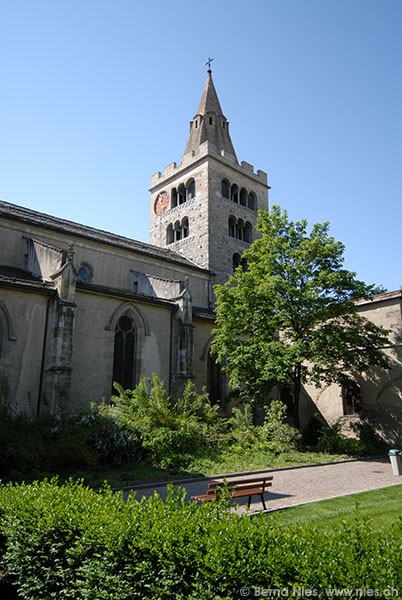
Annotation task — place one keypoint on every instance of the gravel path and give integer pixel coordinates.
(300, 485)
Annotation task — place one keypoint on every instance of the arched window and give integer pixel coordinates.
(184, 227)
(236, 260)
(252, 201)
(190, 189)
(232, 227)
(124, 353)
(174, 198)
(248, 232)
(243, 197)
(169, 234)
(177, 231)
(225, 188)
(234, 193)
(181, 194)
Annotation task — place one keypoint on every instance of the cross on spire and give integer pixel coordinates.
(209, 64)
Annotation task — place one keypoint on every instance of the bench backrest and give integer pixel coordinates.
(241, 484)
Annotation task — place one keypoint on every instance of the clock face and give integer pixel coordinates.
(161, 203)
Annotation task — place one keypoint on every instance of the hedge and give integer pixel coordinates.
(68, 541)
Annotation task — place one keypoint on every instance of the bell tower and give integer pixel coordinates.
(206, 207)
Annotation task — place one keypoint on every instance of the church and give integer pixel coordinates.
(81, 308)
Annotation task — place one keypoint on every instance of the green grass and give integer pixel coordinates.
(381, 508)
(234, 461)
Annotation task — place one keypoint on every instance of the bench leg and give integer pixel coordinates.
(262, 500)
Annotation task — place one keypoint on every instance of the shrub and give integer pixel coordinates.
(69, 542)
(59, 442)
(243, 431)
(171, 429)
(276, 432)
(332, 441)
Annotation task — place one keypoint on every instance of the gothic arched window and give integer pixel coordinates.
(124, 353)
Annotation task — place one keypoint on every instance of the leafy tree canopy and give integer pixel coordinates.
(291, 316)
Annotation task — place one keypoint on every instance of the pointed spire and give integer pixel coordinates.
(209, 123)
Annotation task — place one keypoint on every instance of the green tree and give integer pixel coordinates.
(291, 317)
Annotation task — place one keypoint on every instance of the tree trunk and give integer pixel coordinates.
(296, 393)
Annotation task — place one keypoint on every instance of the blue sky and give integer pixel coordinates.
(97, 95)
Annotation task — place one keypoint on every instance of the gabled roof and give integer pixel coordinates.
(32, 217)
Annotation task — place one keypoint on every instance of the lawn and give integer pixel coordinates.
(381, 508)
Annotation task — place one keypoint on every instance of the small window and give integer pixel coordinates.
(85, 273)
(252, 203)
(174, 198)
(185, 227)
(210, 120)
(177, 231)
(248, 233)
(190, 189)
(182, 194)
(232, 227)
(235, 261)
(225, 188)
(240, 230)
(243, 197)
(169, 234)
(351, 398)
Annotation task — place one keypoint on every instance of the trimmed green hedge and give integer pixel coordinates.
(67, 541)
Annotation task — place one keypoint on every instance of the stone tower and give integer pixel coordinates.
(206, 207)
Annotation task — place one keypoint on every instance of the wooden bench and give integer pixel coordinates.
(238, 488)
